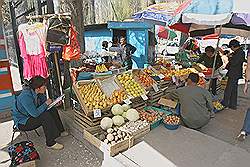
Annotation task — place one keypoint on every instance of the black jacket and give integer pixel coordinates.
(235, 64)
(209, 61)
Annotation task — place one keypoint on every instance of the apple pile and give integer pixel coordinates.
(145, 80)
(118, 96)
(149, 72)
(150, 116)
(130, 85)
(172, 120)
(164, 62)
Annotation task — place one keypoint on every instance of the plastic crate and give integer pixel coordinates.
(155, 124)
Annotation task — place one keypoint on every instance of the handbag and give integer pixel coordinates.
(22, 152)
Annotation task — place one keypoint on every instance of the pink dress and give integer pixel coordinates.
(32, 40)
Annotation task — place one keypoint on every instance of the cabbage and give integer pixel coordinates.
(132, 115)
(106, 123)
(124, 114)
(118, 120)
(117, 109)
(125, 107)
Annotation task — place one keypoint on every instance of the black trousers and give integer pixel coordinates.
(231, 93)
(213, 86)
(51, 123)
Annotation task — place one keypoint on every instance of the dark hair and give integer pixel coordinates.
(226, 52)
(194, 77)
(209, 49)
(115, 40)
(234, 43)
(37, 82)
(105, 44)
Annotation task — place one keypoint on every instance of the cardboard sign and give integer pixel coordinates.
(97, 113)
(155, 87)
(144, 97)
(167, 102)
(127, 101)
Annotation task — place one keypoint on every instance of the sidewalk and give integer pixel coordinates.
(184, 147)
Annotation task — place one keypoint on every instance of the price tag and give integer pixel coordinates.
(130, 97)
(97, 113)
(161, 76)
(144, 97)
(155, 87)
(127, 101)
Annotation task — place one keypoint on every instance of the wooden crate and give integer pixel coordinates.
(85, 121)
(90, 135)
(153, 95)
(136, 73)
(120, 84)
(86, 110)
(142, 132)
(139, 133)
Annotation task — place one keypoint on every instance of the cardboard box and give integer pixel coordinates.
(167, 102)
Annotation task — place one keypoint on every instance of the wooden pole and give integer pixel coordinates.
(59, 76)
(215, 57)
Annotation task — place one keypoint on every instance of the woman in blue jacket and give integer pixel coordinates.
(30, 112)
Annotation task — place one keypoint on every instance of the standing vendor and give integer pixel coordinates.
(104, 53)
(234, 73)
(128, 50)
(207, 59)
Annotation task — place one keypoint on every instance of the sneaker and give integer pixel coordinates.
(57, 146)
(241, 136)
(63, 134)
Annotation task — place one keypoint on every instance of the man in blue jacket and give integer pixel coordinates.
(30, 112)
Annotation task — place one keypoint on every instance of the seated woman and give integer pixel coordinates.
(30, 112)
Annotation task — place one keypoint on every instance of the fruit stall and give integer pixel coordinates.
(115, 111)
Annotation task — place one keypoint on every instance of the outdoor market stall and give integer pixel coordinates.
(115, 111)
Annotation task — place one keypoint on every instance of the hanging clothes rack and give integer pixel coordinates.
(46, 16)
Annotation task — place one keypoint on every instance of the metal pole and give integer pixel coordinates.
(215, 57)
(216, 52)
(14, 29)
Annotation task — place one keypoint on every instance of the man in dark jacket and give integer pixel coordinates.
(234, 73)
(129, 50)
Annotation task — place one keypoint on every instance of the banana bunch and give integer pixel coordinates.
(101, 68)
(217, 105)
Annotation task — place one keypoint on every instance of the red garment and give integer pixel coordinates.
(72, 51)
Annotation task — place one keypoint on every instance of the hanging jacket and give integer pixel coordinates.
(72, 50)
